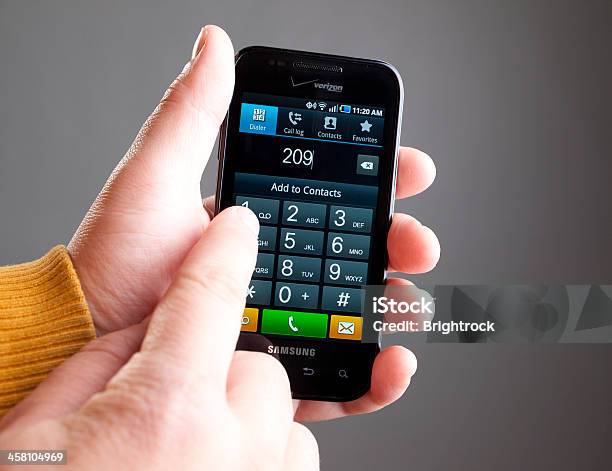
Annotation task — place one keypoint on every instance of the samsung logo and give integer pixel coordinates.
(330, 87)
(295, 351)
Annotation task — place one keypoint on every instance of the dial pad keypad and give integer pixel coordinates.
(319, 254)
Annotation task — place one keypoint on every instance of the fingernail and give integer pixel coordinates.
(200, 42)
(248, 218)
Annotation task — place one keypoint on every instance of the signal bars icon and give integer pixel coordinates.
(321, 105)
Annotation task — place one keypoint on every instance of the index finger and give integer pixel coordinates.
(197, 323)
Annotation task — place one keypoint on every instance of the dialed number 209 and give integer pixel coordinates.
(298, 156)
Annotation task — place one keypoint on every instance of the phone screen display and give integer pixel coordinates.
(315, 162)
(316, 209)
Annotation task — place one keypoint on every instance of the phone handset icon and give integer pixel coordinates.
(295, 118)
(291, 326)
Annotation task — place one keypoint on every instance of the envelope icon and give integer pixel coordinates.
(346, 328)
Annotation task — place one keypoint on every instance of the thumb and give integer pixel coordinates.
(174, 144)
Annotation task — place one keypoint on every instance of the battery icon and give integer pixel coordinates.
(345, 108)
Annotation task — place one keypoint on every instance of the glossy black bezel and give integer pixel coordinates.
(268, 71)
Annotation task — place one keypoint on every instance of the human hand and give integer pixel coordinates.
(150, 214)
(185, 400)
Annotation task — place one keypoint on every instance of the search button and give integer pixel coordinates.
(343, 374)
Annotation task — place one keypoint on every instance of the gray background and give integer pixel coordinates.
(512, 99)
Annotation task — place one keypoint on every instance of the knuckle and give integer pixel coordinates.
(184, 93)
(156, 396)
(114, 348)
(121, 410)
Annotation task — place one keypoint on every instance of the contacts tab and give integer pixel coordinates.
(330, 126)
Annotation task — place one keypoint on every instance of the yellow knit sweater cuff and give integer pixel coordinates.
(43, 320)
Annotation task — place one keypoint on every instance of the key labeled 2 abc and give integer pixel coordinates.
(304, 214)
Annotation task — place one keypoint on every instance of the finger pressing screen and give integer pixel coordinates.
(197, 323)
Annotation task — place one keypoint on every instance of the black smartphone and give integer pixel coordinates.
(310, 145)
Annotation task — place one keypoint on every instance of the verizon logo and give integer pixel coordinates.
(330, 87)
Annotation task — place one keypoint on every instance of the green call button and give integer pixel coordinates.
(302, 324)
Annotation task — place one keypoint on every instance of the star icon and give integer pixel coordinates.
(251, 292)
(365, 126)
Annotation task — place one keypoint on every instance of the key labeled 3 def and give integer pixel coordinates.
(350, 219)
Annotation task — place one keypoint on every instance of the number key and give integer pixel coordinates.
(296, 295)
(299, 268)
(348, 245)
(301, 241)
(267, 238)
(350, 219)
(342, 272)
(304, 214)
(265, 210)
(264, 267)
